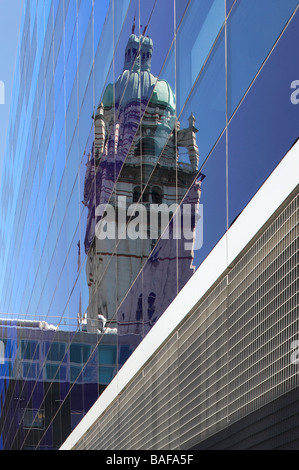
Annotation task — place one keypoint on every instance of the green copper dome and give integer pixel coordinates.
(136, 81)
(108, 98)
(163, 94)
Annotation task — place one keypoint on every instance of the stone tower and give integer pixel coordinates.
(134, 160)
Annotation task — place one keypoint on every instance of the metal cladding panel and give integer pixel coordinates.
(227, 360)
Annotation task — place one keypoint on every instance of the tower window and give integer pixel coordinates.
(146, 147)
(136, 194)
(157, 195)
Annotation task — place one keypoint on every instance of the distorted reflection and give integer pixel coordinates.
(134, 184)
(42, 367)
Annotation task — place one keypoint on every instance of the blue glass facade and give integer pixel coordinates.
(159, 102)
(42, 381)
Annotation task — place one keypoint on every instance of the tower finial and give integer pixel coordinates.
(133, 27)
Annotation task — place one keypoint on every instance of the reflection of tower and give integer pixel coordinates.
(135, 158)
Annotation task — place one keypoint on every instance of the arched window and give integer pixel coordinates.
(136, 194)
(157, 195)
(146, 146)
(145, 195)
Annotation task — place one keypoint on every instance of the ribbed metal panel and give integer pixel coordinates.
(229, 358)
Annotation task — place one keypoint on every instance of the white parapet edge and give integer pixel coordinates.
(279, 185)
